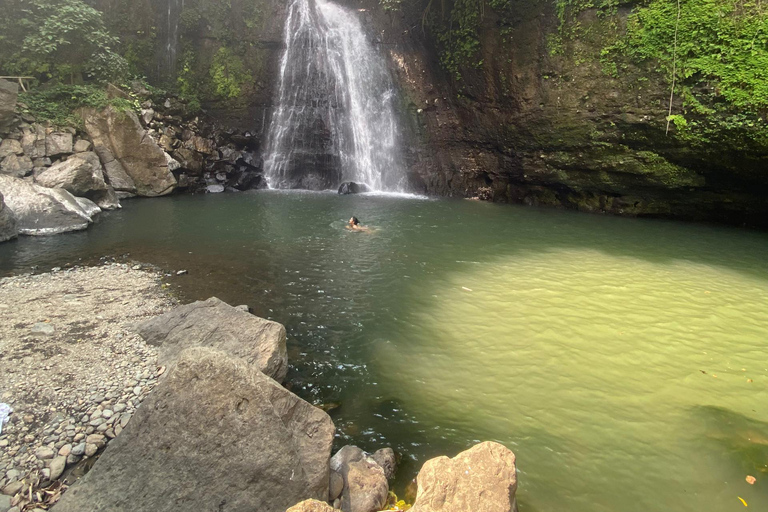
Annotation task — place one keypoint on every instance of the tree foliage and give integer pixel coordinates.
(720, 63)
(63, 40)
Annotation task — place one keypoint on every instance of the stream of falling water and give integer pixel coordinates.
(335, 119)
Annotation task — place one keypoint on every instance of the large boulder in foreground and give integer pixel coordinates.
(216, 434)
(40, 210)
(215, 324)
(128, 152)
(365, 483)
(8, 228)
(481, 479)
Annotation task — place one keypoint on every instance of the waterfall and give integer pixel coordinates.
(335, 119)
(168, 60)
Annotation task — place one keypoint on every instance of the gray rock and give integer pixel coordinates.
(89, 207)
(173, 164)
(10, 147)
(387, 460)
(57, 467)
(12, 488)
(82, 146)
(33, 141)
(17, 166)
(9, 92)
(121, 134)
(147, 115)
(44, 453)
(223, 429)
(8, 228)
(336, 486)
(40, 210)
(43, 328)
(483, 476)
(215, 324)
(214, 189)
(80, 175)
(78, 450)
(58, 143)
(365, 484)
(5, 503)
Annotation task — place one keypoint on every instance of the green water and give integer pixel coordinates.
(624, 361)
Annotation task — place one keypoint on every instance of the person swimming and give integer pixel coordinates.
(354, 225)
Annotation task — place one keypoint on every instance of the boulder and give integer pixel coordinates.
(173, 165)
(40, 210)
(215, 434)
(81, 175)
(8, 228)
(33, 141)
(215, 324)
(189, 160)
(350, 187)
(9, 92)
(89, 207)
(215, 189)
(387, 460)
(311, 506)
(82, 145)
(17, 166)
(481, 479)
(10, 147)
(365, 484)
(120, 135)
(58, 143)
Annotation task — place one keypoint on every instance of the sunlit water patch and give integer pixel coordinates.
(614, 379)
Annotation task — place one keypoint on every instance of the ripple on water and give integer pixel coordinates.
(593, 366)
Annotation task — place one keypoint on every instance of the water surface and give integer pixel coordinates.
(624, 361)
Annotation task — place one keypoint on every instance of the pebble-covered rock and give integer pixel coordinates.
(68, 354)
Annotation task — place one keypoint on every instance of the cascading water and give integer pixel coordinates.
(167, 61)
(335, 119)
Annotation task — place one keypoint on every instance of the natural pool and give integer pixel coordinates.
(624, 361)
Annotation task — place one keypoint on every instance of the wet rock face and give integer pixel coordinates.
(350, 187)
(241, 440)
(215, 324)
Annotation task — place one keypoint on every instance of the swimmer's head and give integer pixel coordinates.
(353, 221)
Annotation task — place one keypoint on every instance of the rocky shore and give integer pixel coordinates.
(123, 402)
(55, 179)
(71, 369)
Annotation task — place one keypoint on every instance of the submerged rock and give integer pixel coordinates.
(365, 486)
(216, 434)
(215, 324)
(40, 210)
(481, 479)
(350, 187)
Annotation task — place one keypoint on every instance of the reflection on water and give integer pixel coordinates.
(624, 361)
